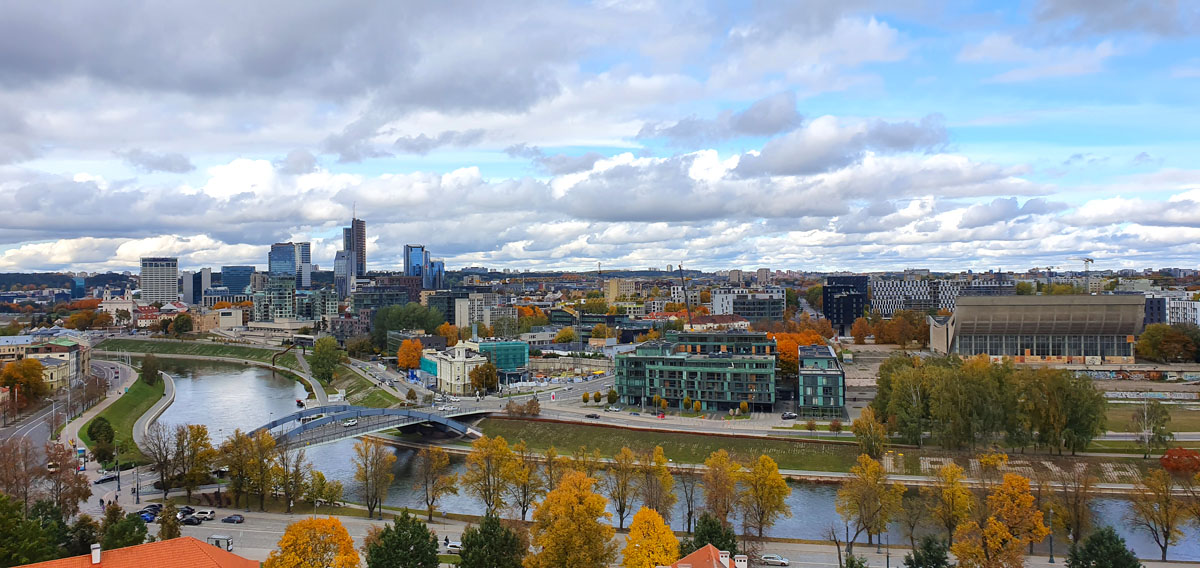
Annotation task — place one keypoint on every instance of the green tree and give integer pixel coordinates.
(181, 324)
(870, 433)
(613, 396)
(84, 532)
(930, 554)
(121, 529)
(710, 530)
(1150, 425)
(404, 543)
(492, 545)
(485, 377)
(150, 370)
(326, 356)
(1024, 289)
(22, 541)
(407, 316)
(100, 430)
(1103, 548)
(168, 527)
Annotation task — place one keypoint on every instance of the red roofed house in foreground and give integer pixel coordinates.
(182, 551)
(710, 557)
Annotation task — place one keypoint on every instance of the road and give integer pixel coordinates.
(39, 426)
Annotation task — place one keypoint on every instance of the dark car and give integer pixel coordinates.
(190, 520)
(234, 519)
(593, 416)
(186, 510)
(106, 478)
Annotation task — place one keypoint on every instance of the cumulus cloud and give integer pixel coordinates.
(828, 143)
(149, 162)
(1103, 17)
(1033, 64)
(297, 162)
(423, 144)
(555, 164)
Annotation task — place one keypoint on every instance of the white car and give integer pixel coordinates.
(205, 514)
(455, 399)
(454, 547)
(350, 422)
(451, 408)
(775, 560)
(442, 408)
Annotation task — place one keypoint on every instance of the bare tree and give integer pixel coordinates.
(1073, 502)
(291, 473)
(20, 470)
(688, 478)
(67, 486)
(160, 447)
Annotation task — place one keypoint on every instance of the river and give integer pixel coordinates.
(228, 396)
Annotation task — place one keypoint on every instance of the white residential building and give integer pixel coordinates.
(160, 279)
(1183, 311)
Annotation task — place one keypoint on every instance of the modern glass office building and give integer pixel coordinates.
(719, 369)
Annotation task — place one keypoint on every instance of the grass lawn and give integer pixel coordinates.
(449, 559)
(1131, 447)
(123, 413)
(1184, 417)
(198, 348)
(680, 447)
(360, 390)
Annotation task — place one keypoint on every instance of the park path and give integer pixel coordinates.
(142, 426)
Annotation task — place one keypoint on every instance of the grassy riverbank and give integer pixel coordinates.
(123, 413)
(360, 390)
(198, 348)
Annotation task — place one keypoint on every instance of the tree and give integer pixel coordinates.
(1102, 549)
(1166, 343)
(67, 486)
(326, 356)
(409, 354)
(360, 346)
(656, 487)
(949, 500)
(402, 317)
(404, 543)
(23, 376)
(236, 454)
(566, 335)
(620, 483)
(688, 478)
(100, 430)
(492, 545)
(194, 455)
(373, 463)
(650, 542)
(1073, 501)
(871, 435)
(120, 529)
(695, 406)
(554, 467)
(489, 472)
(450, 332)
(181, 324)
(82, 534)
(168, 527)
(262, 478)
(1024, 288)
(292, 472)
(1155, 510)
(23, 540)
(1001, 539)
(526, 485)
(860, 330)
(1149, 424)
(485, 377)
(432, 479)
(930, 554)
(411, 396)
(159, 447)
(1181, 461)
(867, 500)
(587, 462)
(764, 495)
(710, 530)
(613, 397)
(320, 489)
(571, 527)
(151, 370)
(720, 484)
(835, 426)
(314, 542)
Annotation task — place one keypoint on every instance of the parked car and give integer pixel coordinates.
(206, 514)
(350, 422)
(451, 408)
(593, 416)
(238, 519)
(790, 416)
(192, 520)
(455, 399)
(187, 509)
(153, 507)
(612, 409)
(775, 560)
(635, 414)
(455, 547)
(442, 408)
(147, 516)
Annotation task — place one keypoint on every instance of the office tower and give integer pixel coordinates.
(282, 259)
(304, 265)
(343, 273)
(236, 278)
(354, 239)
(435, 277)
(160, 279)
(193, 285)
(78, 286)
(415, 260)
(844, 299)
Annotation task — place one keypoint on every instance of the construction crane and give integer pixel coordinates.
(1087, 271)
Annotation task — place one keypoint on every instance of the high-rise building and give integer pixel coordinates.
(435, 277)
(304, 265)
(282, 259)
(763, 276)
(354, 239)
(754, 304)
(160, 279)
(415, 260)
(78, 286)
(343, 272)
(193, 285)
(278, 301)
(843, 299)
(236, 278)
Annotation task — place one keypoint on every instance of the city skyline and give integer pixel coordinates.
(809, 136)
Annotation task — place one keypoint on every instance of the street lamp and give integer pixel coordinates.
(137, 494)
(118, 458)
(1052, 534)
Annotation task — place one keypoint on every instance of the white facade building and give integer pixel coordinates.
(454, 366)
(160, 279)
(1183, 311)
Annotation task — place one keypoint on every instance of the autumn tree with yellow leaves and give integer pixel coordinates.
(949, 500)
(433, 480)
(314, 543)
(571, 527)
(490, 467)
(867, 500)
(871, 434)
(650, 542)
(373, 469)
(764, 495)
(720, 484)
(1013, 523)
(656, 485)
(1155, 510)
(620, 483)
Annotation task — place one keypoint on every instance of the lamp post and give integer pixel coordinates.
(888, 559)
(118, 458)
(1052, 534)
(137, 494)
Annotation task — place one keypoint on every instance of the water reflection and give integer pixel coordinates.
(227, 396)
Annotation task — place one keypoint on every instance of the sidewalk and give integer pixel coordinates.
(142, 426)
(70, 432)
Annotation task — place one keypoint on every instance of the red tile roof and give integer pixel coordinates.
(706, 557)
(182, 551)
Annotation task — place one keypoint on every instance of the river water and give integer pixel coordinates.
(227, 396)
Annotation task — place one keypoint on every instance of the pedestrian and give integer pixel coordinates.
(447, 540)
(101, 502)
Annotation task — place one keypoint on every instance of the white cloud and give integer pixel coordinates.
(1034, 63)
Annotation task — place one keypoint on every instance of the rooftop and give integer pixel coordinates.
(182, 551)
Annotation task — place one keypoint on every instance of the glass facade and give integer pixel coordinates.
(721, 370)
(1044, 345)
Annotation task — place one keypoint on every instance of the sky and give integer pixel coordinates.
(816, 135)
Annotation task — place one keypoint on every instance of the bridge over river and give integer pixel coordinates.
(330, 423)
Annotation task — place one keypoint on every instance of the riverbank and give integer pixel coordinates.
(200, 348)
(123, 414)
